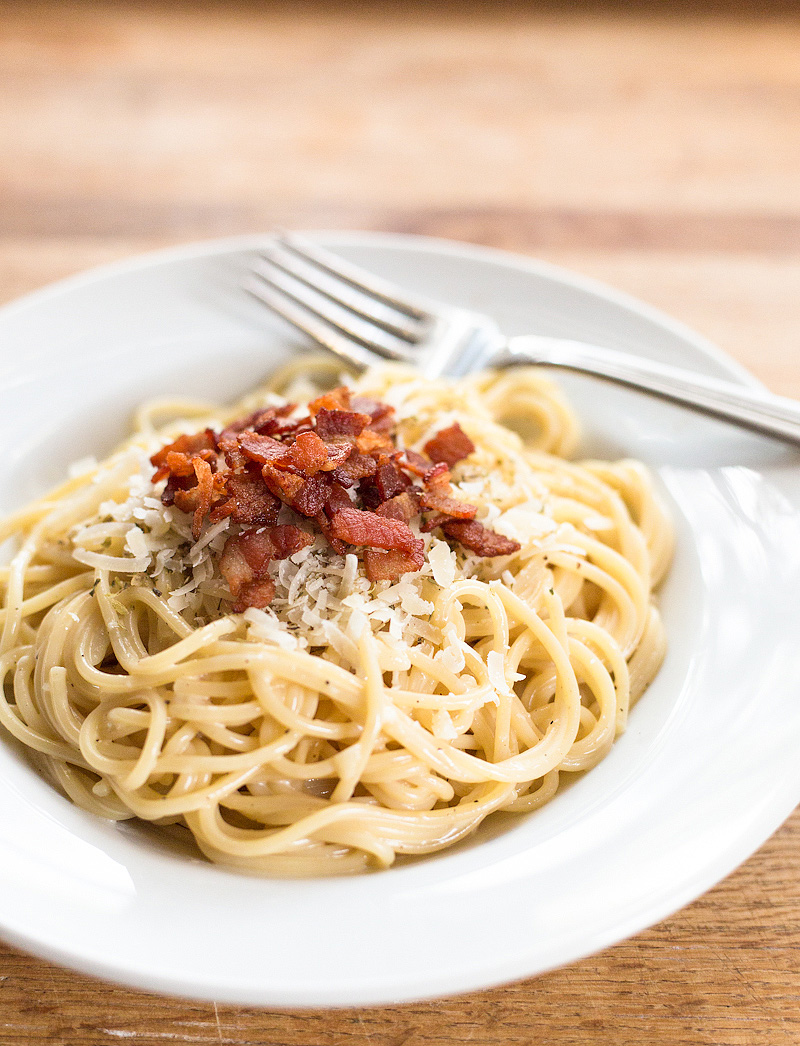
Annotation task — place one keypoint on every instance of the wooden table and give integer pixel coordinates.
(658, 151)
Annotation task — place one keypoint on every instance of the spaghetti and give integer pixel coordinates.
(336, 717)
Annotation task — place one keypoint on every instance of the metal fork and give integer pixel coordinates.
(363, 318)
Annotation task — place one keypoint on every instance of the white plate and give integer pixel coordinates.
(706, 771)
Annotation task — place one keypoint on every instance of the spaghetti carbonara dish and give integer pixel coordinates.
(335, 623)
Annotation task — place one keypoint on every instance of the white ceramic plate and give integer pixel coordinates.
(706, 771)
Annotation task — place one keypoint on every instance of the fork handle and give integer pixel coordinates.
(754, 409)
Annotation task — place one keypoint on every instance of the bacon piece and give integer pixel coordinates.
(366, 528)
(324, 525)
(205, 488)
(263, 449)
(357, 466)
(283, 485)
(390, 565)
(311, 497)
(335, 424)
(479, 539)
(381, 414)
(265, 422)
(198, 444)
(199, 498)
(438, 494)
(338, 455)
(451, 445)
(416, 463)
(389, 479)
(308, 453)
(370, 442)
(173, 485)
(246, 557)
(404, 506)
(258, 594)
(336, 399)
(337, 499)
(249, 501)
(448, 506)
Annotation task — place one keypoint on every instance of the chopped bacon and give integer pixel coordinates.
(389, 478)
(416, 463)
(257, 594)
(335, 424)
(479, 539)
(448, 506)
(308, 453)
(389, 566)
(249, 501)
(246, 558)
(311, 497)
(451, 445)
(369, 442)
(263, 449)
(199, 498)
(324, 525)
(338, 466)
(381, 414)
(336, 399)
(338, 456)
(438, 494)
(357, 466)
(284, 485)
(337, 499)
(265, 422)
(366, 528)
(404, 506)
(173, 485)
(202, 444)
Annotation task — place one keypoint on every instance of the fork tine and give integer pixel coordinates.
(382, 290)
(322, 320)
(344, 293)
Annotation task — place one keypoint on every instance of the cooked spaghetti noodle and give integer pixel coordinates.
(349, 720)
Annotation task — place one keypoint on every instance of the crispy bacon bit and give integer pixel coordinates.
(451, 445)
(246, 558)
(197, 499)
(338, 455)
(311, 497)
(479, 539)
(263, 449)
(336, 399)
(357, 466)
(389, 566)
(416, 463)
(265, 422)
(308, 453)
(270, 459)
(249, 501)
(438, 495)
(366, 528)
(404, 506)
(284, 485)
(202, 444)
(448, 506)
(389, 479)
(381, 414)
(338, 498)
(370, 442)
(335, 424)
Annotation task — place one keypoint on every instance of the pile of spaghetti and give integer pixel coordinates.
(324, 628)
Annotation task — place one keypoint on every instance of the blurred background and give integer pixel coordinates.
(656, 146)
(653, 145)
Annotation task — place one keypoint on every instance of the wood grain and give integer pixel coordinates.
(655, 147)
